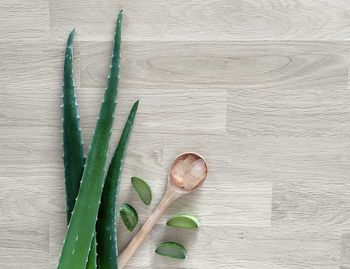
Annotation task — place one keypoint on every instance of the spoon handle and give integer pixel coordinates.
(145, 230)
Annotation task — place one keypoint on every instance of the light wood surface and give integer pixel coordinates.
(260, 88)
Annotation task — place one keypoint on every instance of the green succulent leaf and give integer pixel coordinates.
(92, 262)
(73, 155)
(143, 189)
(81, 227)
(183, 221)
(73, 148)
(106, 223)
(172, 249)
(129, 216)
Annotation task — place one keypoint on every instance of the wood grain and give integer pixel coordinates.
(274, 112)
(345, 255)
(226, 65)
(206, 20)
(323, 204)
(24, 20)
(257, 20)
(260, 88)
(95, 20)
(24, 244)
(242, 247)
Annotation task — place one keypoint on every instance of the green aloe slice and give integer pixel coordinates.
(143, 189)
(129, 216)
(172, 249)
(183, 221)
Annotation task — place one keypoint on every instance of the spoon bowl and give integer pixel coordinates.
(186, 174)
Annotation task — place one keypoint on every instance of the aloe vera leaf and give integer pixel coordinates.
(183, 221)
(172, 249)
(129, 216)
(81, 227)
(92, 259)
(107, 216)
(143, 189)
(73, 148)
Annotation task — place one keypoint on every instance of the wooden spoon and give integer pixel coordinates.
(187, 173)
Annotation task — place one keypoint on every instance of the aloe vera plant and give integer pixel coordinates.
(106, 223)
(92, 259)
(73, 148)
(81, 228)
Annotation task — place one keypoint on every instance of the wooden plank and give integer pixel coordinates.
(161, 110)
(31, 198)
(311, 203)
(95, 20)
(220, 65)
(252, 159)
(36, 150)
(204, 20)
(38, 64)
(257, 20)
(24, 244)
(301, 111)
(24, 20)
(345, 250)
(250, 248)
(304, 93)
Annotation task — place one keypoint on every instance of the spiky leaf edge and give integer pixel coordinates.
(106, 224)
(73, 146)
(76, 246)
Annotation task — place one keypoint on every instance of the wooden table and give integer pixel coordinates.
(260, 88)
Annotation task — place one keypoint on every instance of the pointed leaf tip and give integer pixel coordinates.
(120, 14)
(70, 39)
(136, 104)
(71, 34)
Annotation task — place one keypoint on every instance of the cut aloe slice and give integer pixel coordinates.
(129, 216)
(172, 249)
(143, 189)
(183, 221)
